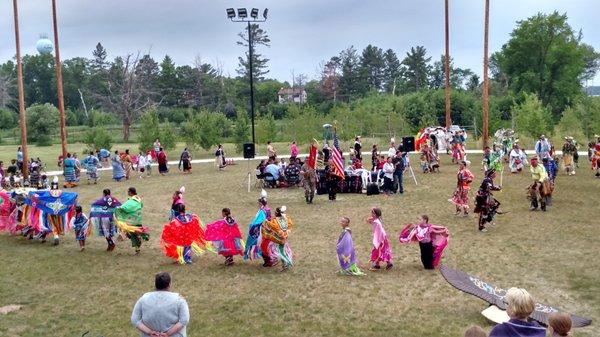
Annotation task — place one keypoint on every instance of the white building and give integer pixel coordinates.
(296, 95)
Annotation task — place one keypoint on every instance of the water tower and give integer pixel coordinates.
(44, 45)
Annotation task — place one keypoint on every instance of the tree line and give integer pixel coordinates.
(542, 67)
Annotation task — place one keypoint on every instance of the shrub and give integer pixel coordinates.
(150, 129)
(42, 120)
(98, 138)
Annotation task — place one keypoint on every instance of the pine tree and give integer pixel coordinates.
(259, 63)
(372, 65)
(392, 72)
(417, 68)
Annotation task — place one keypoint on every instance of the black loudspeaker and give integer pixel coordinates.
(249, 151)
(408, 144)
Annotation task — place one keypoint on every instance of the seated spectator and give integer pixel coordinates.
(273, 169)
(292, 174)
(475, 331)
(161, 312)
(261, 166)
(559, 324)
(519, 306)
(12, 168)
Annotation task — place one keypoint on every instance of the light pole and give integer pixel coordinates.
(22, 116)
(486, 82)
(59, 84)
(447, 68)
(242, 16)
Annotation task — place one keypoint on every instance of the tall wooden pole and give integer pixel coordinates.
(485, 131)
(59, 84)
(447, 69)
(22, 116)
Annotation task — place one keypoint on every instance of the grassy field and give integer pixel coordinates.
(553, 255)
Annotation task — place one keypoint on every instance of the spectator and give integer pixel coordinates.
(294, 150)
(271, 153)
(559, 324)
(520, 306)
(161, 312)
(475, 331)
(273, 169)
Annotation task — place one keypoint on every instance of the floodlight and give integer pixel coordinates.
(230, 13)
(254, 13)
(265, 13)
(242, 13)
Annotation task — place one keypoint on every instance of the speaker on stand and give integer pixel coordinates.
(249, 153)
(408, 145)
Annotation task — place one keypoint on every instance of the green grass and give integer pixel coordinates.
(553, 255)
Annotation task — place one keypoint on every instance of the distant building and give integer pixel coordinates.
(593, 91)
(296, 95)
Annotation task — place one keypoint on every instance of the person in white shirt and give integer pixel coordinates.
(388, 176)
(141, 165)
(392, 149)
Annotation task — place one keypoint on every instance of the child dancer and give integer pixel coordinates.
(274, 239)
(225, 236)
(80, 224)
(432, 240)
(177, 200)
(382, 252)
(345, 250)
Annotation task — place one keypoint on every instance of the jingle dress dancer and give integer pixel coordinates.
(485, 203)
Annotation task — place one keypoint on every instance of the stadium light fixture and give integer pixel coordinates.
(230, 13)
(254, 13)
(242, 13)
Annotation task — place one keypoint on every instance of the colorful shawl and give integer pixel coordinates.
(183, 231)
(225, 236)
(46, 211)
(7, 218)
(381, 246)
(346, 254)
(252, 250)
(128, 216)
(276, 231)
(101, 209)
(439, 240)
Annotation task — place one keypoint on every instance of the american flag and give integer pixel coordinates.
(336, 157)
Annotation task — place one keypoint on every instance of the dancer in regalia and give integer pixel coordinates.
(177, 200)
(8, 219)
(540, 187)
(70, 167)
(345, 251)
(432, 240)
(569, 152)
(128, 218)
(485, 203)
(463, 185)
(118, 172)
(517, 159)
(274, 239)
(183, 236)
(381, 252)
(91, 164)
(225, 236)
(102, 217)
(79, 223)
(252, 250)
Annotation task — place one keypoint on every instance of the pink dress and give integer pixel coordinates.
(382, 252)
(294, 150)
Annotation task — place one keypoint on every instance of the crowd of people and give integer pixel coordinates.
(268, 236)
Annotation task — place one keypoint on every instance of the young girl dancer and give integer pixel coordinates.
(345, 250)
(225, 236)
(382, 252)
(432, 240)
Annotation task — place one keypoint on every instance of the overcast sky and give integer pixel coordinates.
(303, 33)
